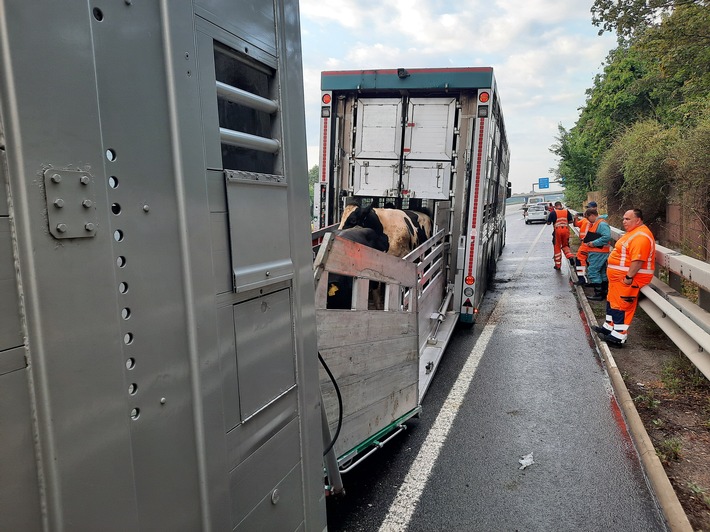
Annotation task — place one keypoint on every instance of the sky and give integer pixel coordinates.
(545, 54)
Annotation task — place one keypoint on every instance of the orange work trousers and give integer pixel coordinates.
(561, 242)
(621, 303)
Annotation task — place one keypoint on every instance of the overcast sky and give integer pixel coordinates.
(545, 54)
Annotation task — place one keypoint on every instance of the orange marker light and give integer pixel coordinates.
(484, 97)
(326, 98)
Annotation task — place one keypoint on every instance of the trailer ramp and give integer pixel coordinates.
(383, 360)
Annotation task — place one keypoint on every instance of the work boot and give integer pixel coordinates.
(600, 330)
(597, 296)
(610, 340)
(600, 292)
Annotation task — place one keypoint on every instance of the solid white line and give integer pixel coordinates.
(402, 508)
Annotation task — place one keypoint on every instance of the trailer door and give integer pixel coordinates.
(378, 129)
(429, 132)
(429, 139)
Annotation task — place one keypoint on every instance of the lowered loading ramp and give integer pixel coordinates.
(382, 360)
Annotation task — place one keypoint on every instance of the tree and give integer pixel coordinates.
(637, 170)
(680, 51)
(312, 180)
(631, 17)
(618, 98)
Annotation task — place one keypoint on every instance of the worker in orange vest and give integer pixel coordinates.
(581, 257)
(630, 267)
(596, 242)
(583, 250)
(561, 218)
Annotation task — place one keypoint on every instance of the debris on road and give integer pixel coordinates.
(526, 461)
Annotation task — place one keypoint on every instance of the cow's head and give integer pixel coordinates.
(350, 216)
(367, 217)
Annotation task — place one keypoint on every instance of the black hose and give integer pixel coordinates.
(340, 405)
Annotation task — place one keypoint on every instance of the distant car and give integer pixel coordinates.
(536, 213)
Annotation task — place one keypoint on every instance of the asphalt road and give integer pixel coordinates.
(526, 379)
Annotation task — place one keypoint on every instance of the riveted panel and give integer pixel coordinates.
(71, 205)
(265, 350)
(265, 469)
(258, 222)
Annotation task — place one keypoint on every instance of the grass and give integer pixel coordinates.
(680, 375)
(699, 492)
(669, 450)
(648, 400)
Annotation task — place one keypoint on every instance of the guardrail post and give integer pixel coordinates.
(675, 281)
(703, 299)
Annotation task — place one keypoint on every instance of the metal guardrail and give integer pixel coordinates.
(687, 324)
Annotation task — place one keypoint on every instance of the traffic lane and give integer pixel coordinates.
(539, 388)
(373, 485)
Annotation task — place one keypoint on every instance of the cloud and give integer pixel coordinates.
(545, 54)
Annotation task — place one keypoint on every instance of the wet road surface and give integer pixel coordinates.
(526, 379)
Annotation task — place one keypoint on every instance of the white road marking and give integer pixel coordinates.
(402, 508)
(405, 502)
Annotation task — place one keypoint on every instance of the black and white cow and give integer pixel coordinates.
(340, 287)
(404, 230)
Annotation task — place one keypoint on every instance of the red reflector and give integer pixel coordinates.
(326, 98)
(483, 97)
(469, 279)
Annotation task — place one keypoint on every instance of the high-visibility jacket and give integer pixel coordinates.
(583, 225)
(562, 216)
(637, 244)
(594, 228)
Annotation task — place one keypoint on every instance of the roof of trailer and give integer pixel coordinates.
(408, 78)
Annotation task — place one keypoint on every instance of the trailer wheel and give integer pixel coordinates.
(492, 266)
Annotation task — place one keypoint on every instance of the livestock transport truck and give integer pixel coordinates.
(158, 358)
(158, 334)
(421, 139)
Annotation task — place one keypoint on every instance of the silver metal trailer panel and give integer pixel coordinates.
(157, 321)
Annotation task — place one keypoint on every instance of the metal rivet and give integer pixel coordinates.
(89, 226)
(87, 203)
(62, 228)
(59, 203)
(146, 208)
(268, 273)
(56, 178)
(163, 400)
(275, 496)
(84, 180)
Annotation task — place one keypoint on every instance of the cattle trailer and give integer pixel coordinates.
(431, 139)
(158, 358)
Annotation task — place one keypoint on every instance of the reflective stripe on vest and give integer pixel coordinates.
(623, 258)
(561, 221)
